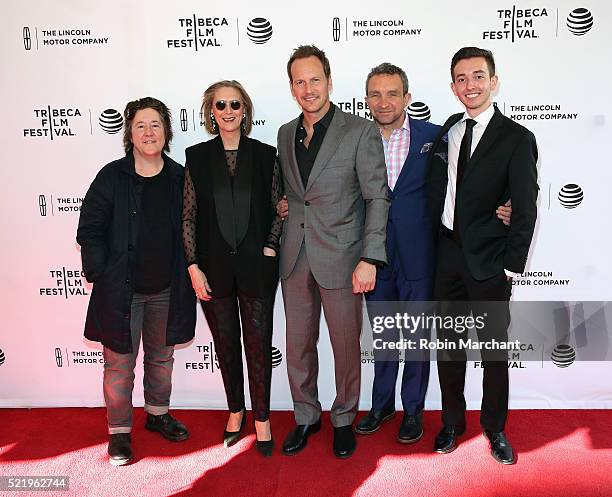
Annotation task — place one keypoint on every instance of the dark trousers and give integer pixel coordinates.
(459, 294)
(415, 376)
(224, 316)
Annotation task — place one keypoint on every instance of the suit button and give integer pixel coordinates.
(301, 225)
(133, 213)
(233, 252)
(127, 281)
(307, 203)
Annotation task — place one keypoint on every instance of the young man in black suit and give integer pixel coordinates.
(480, 159)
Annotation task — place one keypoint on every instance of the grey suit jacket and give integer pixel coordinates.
(341, 215)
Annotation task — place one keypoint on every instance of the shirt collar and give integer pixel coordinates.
(483, 118)
(325, 120)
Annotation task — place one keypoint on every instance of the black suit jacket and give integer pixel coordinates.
(502, 166)
(232, 226)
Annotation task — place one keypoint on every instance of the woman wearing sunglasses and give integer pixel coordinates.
(231, 235)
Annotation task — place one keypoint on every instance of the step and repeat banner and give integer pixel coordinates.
(69, 68)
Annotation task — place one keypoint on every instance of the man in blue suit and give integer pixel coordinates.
(410, 248)
(409, 274)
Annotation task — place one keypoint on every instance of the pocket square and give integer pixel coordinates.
(426, 147)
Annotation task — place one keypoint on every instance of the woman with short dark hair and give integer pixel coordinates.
(131, 249)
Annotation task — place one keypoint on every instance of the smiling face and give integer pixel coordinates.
(386, 100)
(228, 109)
(310, 87)
(472, 84)
(147, 133)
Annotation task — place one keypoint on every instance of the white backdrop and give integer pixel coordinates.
(68, 67)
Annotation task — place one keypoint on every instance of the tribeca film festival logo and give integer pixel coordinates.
(61, 37)
(65, 283)
(516, 24)
(65, 358)
(372, 28)
(200, 32)
(571, 196)
(54, 122)
(50, 206)
(209, 362)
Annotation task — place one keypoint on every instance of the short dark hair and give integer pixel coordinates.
(470, 53)
(305, 51)
(146, 103)
(390, 69)
(207, 103)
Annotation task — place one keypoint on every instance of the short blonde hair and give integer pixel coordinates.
(207, 103)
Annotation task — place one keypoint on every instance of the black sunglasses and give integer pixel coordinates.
(234, 104)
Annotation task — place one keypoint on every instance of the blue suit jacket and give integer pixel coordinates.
(410, 244)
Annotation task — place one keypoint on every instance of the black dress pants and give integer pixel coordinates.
(459, 294)
(224, 316)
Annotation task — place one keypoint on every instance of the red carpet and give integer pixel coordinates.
(560, 453)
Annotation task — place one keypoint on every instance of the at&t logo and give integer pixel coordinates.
(571, 196)
(419, 110)
(111, 121)
(259, 30)
(579, 21)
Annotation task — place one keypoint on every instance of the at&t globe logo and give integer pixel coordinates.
(2, 358)
(419, 110)
(579, 21)
(571, 196)
(111, 121)
(563, 355)
(277, 357)
(259, 30)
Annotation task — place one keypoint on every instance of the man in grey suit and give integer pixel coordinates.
(336, 186)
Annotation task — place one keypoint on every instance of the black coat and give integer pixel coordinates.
(108, 233)
(232, 225)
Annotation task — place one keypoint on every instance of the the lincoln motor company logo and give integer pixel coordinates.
(49, 37)
(395, 28)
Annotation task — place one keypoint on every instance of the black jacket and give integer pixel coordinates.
(503, 166)
(107, 233)
(232, 225)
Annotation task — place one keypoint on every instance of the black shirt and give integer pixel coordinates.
(306, 156)
(152, 270)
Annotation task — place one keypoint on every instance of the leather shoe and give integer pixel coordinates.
(501, 450)
(120, 449)
(371, 421)
(231, 437)
(168, 426)
(411, 429)
(344, 441)
(297, 439)
(446, 441)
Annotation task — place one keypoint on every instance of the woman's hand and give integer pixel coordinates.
(200, 283)
(268, 252)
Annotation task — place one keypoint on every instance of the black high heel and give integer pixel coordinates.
(231, 437)
(265, 447)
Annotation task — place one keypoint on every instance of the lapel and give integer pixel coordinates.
(292, 172)
(489, 137)
(414, 150)
(440, 145)
(333, 137)
(243, 181)
(233, 210)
